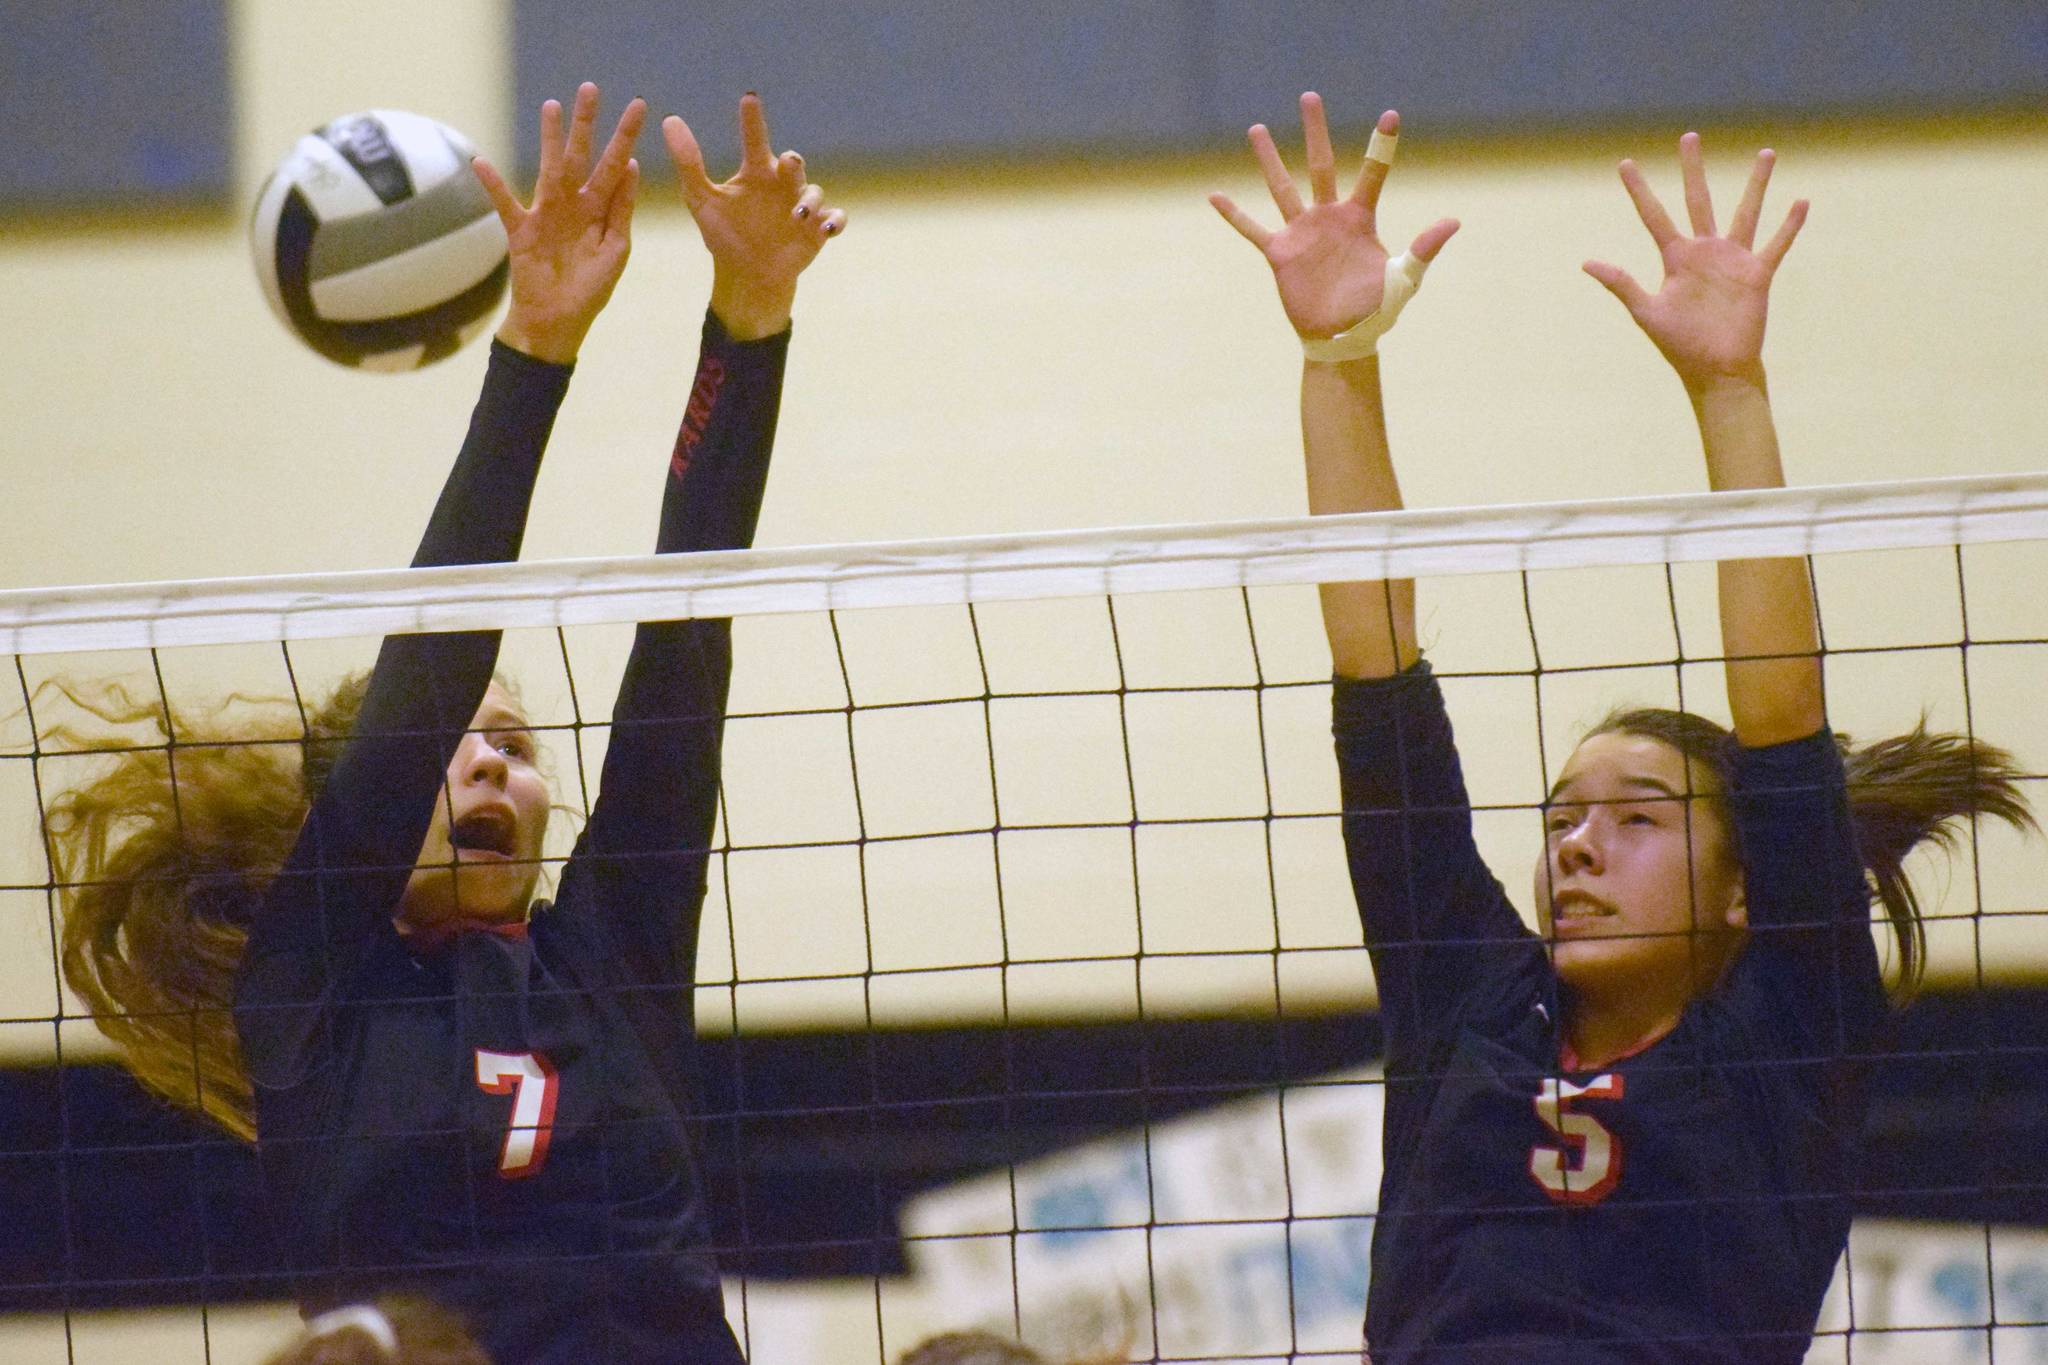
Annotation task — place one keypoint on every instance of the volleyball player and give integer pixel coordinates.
(1631, 1137)
(458, 1091)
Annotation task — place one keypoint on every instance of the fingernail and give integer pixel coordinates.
(803, 211)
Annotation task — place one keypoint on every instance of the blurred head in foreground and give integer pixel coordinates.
(391, 1331)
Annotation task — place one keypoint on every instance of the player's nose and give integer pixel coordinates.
(480, 761)
(1579, 849)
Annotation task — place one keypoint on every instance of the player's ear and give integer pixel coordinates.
(1738, 910)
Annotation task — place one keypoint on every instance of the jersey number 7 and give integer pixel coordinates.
(1583, 1168)
(527, 1077)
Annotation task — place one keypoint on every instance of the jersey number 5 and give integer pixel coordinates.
(527, 1077)
(1585, 1165)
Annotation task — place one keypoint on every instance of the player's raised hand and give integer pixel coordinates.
(569, 248)
(1708, 315)
(762, 227)
(1326, 255)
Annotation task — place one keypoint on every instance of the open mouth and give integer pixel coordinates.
(1578, 907)
(489, 832)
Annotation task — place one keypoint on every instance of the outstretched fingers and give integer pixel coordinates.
(510, 211)
(618, 153)
(1699, 204)
(1781, 241)
(618, 218)
(1372, 176)
(689, 160)
(756, 151)
(550, 144)
(1662, 230)
(576, 150)
(1247, 226)
(1619, 283)
(790, 168)
(1742, 228)
(1322, 162)
(1278, 182)
(1431, 239)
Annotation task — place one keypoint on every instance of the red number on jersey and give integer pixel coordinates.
(528, 1078)
(1584, 1169)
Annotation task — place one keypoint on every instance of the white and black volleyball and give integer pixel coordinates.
(375, 243)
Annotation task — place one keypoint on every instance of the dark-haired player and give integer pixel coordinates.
(1630, 1139)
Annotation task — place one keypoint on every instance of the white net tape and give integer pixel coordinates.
(1697, 527)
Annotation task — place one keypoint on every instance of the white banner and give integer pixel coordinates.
(1245, 1231)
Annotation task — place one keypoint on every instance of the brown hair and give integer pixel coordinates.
(1904, 791)
(160, 861)
(979, 1347)
(970, 1348)
(426, 1333)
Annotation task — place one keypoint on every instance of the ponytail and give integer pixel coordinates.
(1918, 788)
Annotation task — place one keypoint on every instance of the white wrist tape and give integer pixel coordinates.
(361, 1317)
(1362, 338)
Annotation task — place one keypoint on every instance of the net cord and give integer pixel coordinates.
(1378, 545)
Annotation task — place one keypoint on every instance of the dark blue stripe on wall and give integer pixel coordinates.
(810, 1143)
(899, 80)
(107, 102)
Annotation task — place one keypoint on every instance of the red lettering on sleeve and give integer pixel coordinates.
(697, 414)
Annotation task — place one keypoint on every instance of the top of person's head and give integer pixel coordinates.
(970, 1348)
(392, 1331)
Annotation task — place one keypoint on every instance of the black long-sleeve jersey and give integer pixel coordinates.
(501, 1122)
(1687, 1203)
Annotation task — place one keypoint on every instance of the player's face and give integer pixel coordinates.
(1637, 891)
(480, 859)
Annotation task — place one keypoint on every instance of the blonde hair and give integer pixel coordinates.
(162, 859)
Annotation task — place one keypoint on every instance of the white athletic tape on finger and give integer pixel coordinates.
(1362, 338)
(1381, 148)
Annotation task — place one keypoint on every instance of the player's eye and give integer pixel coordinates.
(515, 746)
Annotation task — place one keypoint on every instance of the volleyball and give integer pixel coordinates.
(376, 245)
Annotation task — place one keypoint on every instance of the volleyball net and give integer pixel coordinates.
(1030, 978)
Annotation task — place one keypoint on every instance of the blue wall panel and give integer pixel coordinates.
(107, 102)
(904, 80)
(1491, 66)
(878, 79)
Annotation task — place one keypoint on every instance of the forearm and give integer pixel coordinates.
(1371, 625)
(661, 772)
(718, 473)
(658, 797)
(1768, 629)
(480, 517)
(425, 687)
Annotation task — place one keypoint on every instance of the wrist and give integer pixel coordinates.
(750, 310)
(556, 345)
(1743, 381)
